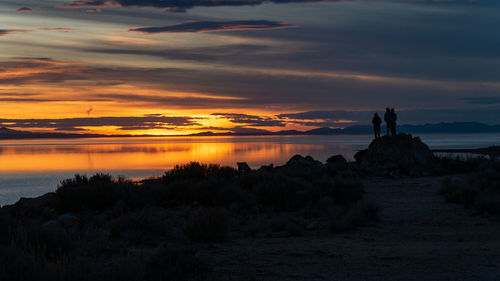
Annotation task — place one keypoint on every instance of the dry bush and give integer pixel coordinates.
(208, 225)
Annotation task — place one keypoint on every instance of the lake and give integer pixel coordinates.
(33, 167)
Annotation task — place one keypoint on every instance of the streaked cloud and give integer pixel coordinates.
(24, 9)
(222, 53)
(215, 26)
(251, 120)
(60, 29)
(405, 116)
(183, 5)
(433, 62)
(483, 100)
(174, 5)
(123, 123)
(4, 32)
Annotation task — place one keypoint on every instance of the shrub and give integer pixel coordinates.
(92, 194)
(143, 227)
(208, 225)
(360, 214)
(454, 165)
(210, 192)
(196, 171)
(481, 190)
(174, 263)
(283, 192)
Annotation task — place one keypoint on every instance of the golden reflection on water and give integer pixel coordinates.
(30, 157)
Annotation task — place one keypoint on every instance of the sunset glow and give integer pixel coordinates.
(112, 67)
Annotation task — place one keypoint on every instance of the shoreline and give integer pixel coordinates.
(304, 220)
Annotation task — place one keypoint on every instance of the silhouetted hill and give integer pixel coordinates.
(6, 133)
(451, 128)
(323, 131)
(438, 128)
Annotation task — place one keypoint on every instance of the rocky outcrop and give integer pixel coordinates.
(299, 162)
(401, 154)
(337, 162)
(300, 166)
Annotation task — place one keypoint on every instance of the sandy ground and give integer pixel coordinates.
(419, 237)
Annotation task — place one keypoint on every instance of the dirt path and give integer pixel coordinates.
(420, 237)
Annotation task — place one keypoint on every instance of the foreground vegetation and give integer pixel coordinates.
(105, 228)
(479, 190)
(102, 228)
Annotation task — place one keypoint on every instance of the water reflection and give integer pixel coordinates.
(33, 167)
(154, 154)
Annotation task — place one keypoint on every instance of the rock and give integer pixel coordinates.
(266, 168)
(325, 203)
(358, 156)
(303, 166)
(313, 225)
(68, 220)
(52, 224)
(46, 200)
(401, 154)
(297, 161)
(336, 160)
(280, 234)
(336, 163)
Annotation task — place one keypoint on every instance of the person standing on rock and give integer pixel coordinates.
(376, 121)
(387, 119)
(393, 118)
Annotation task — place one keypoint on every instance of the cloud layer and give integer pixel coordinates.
(24, 9)
(174, 5)
(123, 123)
(215, 26)
(345, 62)
(5, 32)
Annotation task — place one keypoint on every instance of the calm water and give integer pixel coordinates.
(33, 167)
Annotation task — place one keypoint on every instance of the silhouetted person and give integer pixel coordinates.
(387, 119)
(393, 118)
(376, 121)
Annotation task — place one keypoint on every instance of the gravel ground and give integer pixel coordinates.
(419, 237)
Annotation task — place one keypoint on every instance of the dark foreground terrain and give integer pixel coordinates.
(419, 237)
(389, 216)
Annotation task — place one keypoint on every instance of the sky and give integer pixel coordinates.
(171, 67)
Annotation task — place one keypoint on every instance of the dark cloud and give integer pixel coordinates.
(242, 88)
(93, 11)
(124, 123)
(183, 5)
(215, 26)
(483, 100)
(24, 97)
(236, 129)
(249, 131)
(61, 29)
(24, 9)
(175, 5)
(251, 120)
(224, 53)
(4, 32)
(171, 101)
(331, 115)
(406, 116)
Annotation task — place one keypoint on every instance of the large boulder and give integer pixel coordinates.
(305, 167)
(299, 162)
(35, 205)
(337, 162)
(401, 154)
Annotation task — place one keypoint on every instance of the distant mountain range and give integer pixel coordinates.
(439, 128)
(6, 133)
